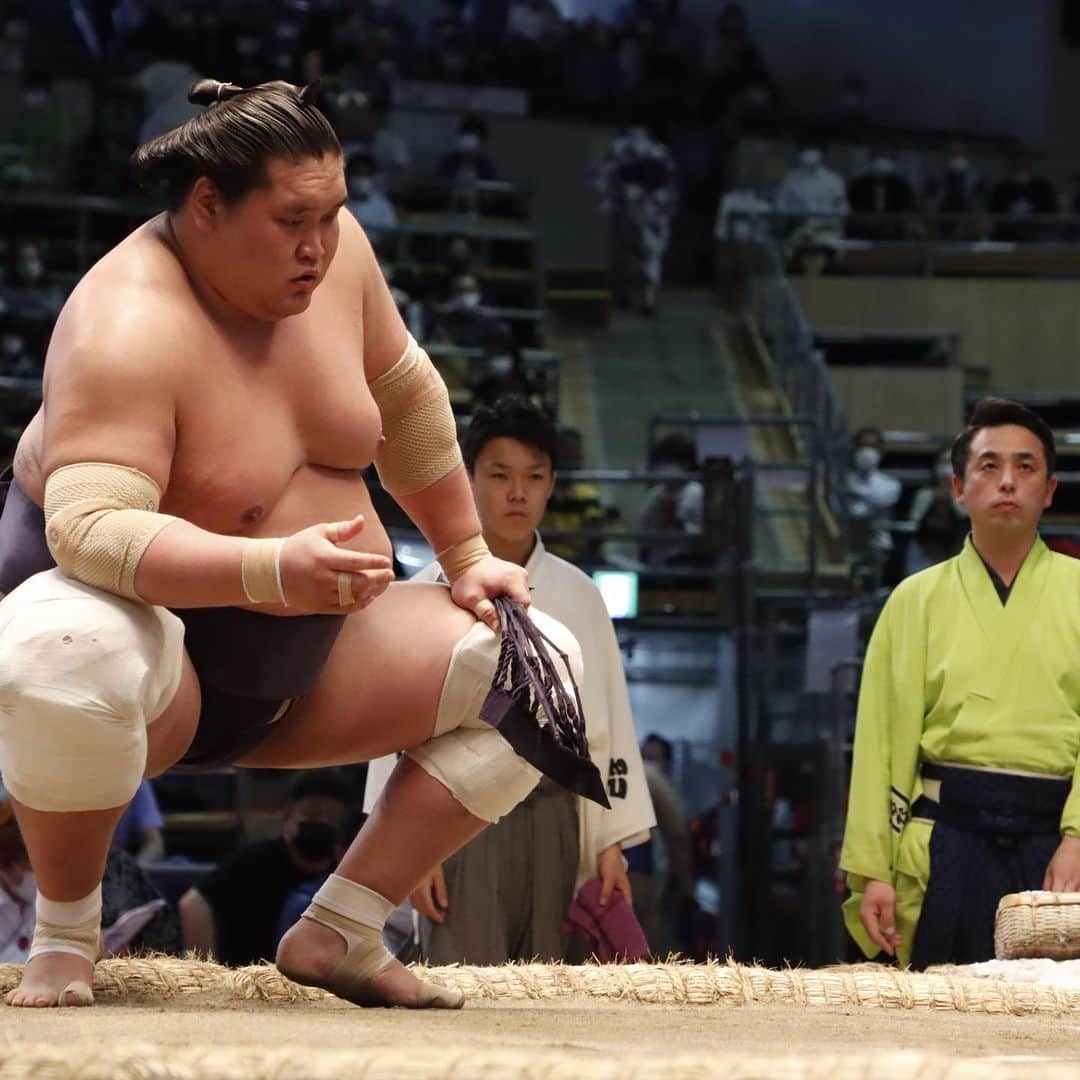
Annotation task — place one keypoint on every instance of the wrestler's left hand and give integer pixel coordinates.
(490, 577)
(1063, 871)
(611, 869)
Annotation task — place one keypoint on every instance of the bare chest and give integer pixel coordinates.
(250, 427)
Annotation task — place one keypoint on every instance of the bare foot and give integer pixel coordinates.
(312, 954)
(54, 978)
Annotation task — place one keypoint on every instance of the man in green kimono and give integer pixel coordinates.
(968, 730)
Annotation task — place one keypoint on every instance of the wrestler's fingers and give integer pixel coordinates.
(359, 562)
(338, 532)
(485, 611)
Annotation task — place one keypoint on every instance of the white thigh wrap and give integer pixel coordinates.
(466, 755)
(82, 673)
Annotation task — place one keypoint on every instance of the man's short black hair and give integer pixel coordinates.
(664, 744)
(320, 783)
(674, 449)
(997, 412)
(511, 417)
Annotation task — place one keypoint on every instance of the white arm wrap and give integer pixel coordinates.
(99, 519)
(420, 444)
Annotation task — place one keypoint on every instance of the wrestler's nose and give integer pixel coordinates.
(517, 491)
(311, 249)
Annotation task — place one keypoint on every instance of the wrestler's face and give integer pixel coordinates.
(275, 245)
(1006, 485)
(512, 483)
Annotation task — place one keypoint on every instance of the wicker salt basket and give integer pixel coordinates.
(1038, 924)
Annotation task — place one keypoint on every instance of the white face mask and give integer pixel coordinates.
(467, 300)
(944, 472)
(500, 366)
(469, 142)
(810, 158)
(958, 163)
(360, 187)
(884, 165)
(30, 269)
(867, 458)
(12, 345)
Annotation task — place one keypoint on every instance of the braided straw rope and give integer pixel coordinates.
(141, 1061)
(713, 983)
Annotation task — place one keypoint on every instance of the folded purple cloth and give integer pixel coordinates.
(612, 930)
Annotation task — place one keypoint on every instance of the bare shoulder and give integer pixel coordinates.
(384, 332)
(116, 362)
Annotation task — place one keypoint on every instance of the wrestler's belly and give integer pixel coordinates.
(313, 494)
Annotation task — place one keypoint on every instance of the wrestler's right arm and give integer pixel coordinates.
(111, 392)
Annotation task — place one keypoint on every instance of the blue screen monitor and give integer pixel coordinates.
(619, 588)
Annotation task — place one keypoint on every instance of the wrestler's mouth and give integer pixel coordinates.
(306, 280)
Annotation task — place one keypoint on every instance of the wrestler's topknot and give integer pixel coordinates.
(232, 141)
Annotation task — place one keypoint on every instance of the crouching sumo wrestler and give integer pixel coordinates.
(183, 587)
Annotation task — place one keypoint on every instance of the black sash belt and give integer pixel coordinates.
(994, 833)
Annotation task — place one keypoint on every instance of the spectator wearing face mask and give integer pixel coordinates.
(366, 202)
(234, 914)
(938, 524)
(1020, 196)
(30, 294)
(813, 199)
(871, 494)
(673, 505)
(469, 160)
(16, 359)
(465, 322)
(882, 194)
(164, 83)
(957, 193)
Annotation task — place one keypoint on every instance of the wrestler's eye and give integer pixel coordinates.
(291, 224)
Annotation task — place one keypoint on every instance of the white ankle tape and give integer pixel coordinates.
(68, 927)
(358, 914)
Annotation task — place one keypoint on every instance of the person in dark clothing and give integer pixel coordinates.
(883, 189)
(1018, 197)
(235, 913)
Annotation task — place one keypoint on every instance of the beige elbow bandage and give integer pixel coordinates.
(99, 519)
(420, 444)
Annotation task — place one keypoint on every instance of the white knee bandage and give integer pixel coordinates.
(465, 754)
(82, 674)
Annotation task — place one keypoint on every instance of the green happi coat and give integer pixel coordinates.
(953, 676)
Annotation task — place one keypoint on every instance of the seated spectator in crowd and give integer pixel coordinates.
(16, 357)
(138, 832)
(503, 373)
(852, 113)
(576, 505)
(661, 869)
(234, 914)
(45, 130)
(296, 903)
(134, 917)
(958, 192)
(366, 202)
(164, 83)
(639, 194)
(29, 293)
(937, 523)
(673, 505)
(883, 190)
(468, 161)
(731, 60)
(13, 33)
(452, 58)
(410, 310)
(814, 199)
(592, 73)
(533, 21)
(464, 321)
(390, 150)
(872, 494)
(1018, 197)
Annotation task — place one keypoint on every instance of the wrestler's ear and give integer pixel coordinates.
(205, 204)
